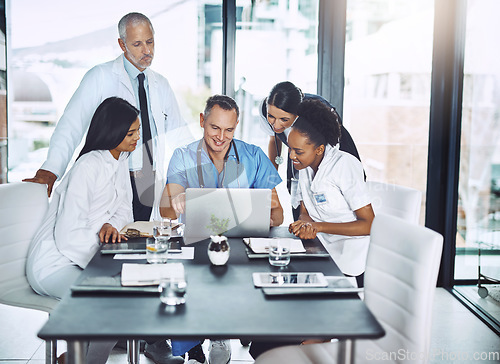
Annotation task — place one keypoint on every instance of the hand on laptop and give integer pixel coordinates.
(179, 203)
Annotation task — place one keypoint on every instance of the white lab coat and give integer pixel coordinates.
(332, 195)
(95, 191)
(111, 79)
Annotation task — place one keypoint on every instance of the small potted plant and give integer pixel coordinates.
(218, 249)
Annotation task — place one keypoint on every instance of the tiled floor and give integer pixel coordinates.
(456, 334)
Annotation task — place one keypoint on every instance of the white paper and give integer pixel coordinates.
(134, 274)
(261, 245)
(187, 253)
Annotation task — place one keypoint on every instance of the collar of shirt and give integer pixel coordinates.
(132, 73)
(205, 158)
(225, 176)
(132, 70)
(111, 161)
(325, 165)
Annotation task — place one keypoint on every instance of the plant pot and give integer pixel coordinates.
(218, 250)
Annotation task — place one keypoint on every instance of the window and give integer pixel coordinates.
(387, 89)
(275, 41)
(52, 44)
(478, 224)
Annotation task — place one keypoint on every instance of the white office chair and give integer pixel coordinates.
(395, 200)
(22, 208)
(400, 281)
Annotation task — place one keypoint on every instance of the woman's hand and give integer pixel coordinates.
(108, 231)
(303, 229)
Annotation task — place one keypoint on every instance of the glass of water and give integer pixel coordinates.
(162, 229)
(279, 252)
(157, 250)
(173, 290)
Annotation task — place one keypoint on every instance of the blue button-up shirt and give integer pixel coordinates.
(254, 169)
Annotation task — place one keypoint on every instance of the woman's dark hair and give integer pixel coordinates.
(285, 96)
(109, 125)
(318, 122)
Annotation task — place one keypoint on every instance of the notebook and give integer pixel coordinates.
(248, 211)
(106, 284)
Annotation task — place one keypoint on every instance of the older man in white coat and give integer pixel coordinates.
(162, 127)
(121, 78)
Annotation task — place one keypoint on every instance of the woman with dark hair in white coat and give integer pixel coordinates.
(90, 206)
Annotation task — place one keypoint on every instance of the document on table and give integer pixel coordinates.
(187, 253)
(134, 274)
(261, 245)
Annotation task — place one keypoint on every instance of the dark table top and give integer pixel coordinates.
(221, 303)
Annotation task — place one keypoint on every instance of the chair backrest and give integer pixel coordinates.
(400, 281)
(22, 208)
(395, 200)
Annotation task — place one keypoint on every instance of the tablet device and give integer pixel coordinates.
(336, 285)
(289, 279)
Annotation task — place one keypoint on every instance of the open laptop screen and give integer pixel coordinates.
(248, 211)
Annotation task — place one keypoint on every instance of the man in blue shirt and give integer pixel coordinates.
(216, 161)
(219, 160)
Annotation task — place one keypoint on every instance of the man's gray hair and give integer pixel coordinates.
(132, 19)
(225, 102)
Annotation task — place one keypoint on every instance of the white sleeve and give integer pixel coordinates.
(74, 236)
(123, 214)
(352, 183)
(73, 124)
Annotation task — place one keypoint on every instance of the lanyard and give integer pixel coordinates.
(198, 163)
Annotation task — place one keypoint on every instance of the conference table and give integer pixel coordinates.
(221, 303)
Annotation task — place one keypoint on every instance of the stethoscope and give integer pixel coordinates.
(198, 163)
(279, 159)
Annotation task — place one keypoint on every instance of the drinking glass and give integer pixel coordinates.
(173, 290)
(157, 250)
(162, 229)
(279, 252)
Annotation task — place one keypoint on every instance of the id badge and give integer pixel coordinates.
(319, 198)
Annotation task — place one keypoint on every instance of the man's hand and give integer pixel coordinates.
(109, 232)
(179, 203)
(303, 229)
(44, 177)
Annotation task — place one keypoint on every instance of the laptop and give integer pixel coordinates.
(248, 211)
